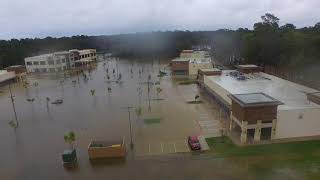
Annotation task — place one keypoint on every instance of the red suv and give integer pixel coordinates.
(194, 143)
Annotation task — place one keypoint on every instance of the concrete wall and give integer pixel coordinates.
(217, 89)
(298, 123)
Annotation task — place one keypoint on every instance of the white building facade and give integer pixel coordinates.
(59, 61)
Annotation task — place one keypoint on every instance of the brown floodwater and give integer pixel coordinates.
(33, 150)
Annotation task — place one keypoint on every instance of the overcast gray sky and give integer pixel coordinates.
(41, 18)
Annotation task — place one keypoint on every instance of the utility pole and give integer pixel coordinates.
(130, 125)
(13, 106)
(117, 60)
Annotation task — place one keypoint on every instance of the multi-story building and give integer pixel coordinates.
(190, 62)
(59, 61)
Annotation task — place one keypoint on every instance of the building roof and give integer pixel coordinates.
(248, 66)
(5, 75)
(106, 143)
(187, 51)
(254, 99)
(210, 70)
(200, 60)
(3, 72)
(181, 59)
(15, 66)
(291, 94)
(61, 53)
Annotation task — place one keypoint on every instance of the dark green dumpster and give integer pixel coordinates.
(69, 156)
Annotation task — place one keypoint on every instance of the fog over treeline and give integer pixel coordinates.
(267, 44)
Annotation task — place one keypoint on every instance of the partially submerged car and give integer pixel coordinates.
(194, 143)
(58, 101)
(69, 158)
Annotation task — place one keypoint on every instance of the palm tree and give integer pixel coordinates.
(109, 89)
(35, 84)
(69, 138)
(159, 90)
(92, 92)
(13, 124)
(138, 111)
(30, 100)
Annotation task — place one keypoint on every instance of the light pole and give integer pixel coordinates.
(13, 106)
(130, 125)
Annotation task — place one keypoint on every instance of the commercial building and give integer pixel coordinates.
(190, 62)
(264, 107)
(6, 76)
(59, 61)
(19, 70)
(208, 72)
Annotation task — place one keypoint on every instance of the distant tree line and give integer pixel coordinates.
(267, 44)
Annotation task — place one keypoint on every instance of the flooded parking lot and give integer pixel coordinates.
(33, 150)
(38, 141)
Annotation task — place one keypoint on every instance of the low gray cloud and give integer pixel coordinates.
(40, 18)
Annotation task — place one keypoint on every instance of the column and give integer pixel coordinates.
(273, 129)
(257, 131)
(243, 137)
(231, 124)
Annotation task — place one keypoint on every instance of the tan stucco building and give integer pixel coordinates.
(190, 62)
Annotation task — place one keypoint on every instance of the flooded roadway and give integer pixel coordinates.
(33, 150)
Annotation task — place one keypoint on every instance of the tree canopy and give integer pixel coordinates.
(267, 44)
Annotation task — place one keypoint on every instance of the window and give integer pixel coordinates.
(52, 70)
(42, 63)
(43, 69)
(29, 63)
(58, 61)
(35, 63)
(50, 62)
(63, 60)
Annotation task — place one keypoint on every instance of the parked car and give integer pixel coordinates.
(194, 143)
